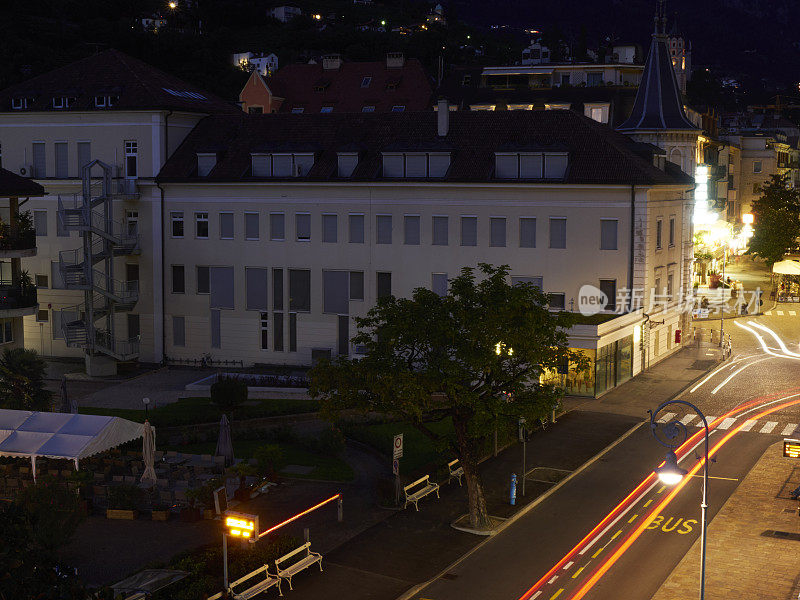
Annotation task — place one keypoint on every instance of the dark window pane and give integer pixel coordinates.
(178, 279)
(257, 284)
(299, 290)
(203, 280)
(469, 231)
(609, 288)
(277, 332)
(527, 232)
(277, 289)
(335, 292)
(178, 331)
(411, 230)
(221, 287)
(383, 284)
(344, 335)
(216, 335)
(497, 232)
(292, 332)
(356, 285)
(356, 229)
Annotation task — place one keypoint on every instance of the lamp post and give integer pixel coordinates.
(671, 435)
(146, 402)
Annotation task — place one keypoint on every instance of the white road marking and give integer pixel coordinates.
(568, 565)
(768, 313)
(709, 419)
(667, 417)
(789, 429)
(735, 373)
(726, 423)
(775, 336)
(779, 313)
(688, 419)
(537, 594)
(748, 425)
(552, 580)
(792, 313)
(764, 346)
(769, 427)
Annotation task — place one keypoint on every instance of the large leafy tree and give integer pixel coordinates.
(777, 220)
(431, 357)
(22, 380)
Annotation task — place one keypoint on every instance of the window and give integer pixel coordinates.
(497, 232)
(556, 300)
(225, 226)
(356, 227)
(19, 103)
(296, 111)
(469, 231)
(440, 233)
(264, 320)
(131, 160)
(368, 108)
(281, 164)
(670, 281)
(343, 337)
(608, 234)
(356, 285)
(558, 232)
(383, 285)
(537, 282)
(439, 283)
(347, 163)
(277, 227)
(39, 161)
(56, 280)
(658, 234)
(302, 224)
(261, 165)
(411, 230)
(365, 82)
(527, 232)
(383, 229)
(203, 280)
(609, 288)
(179, 331)
(757, 166)
(594, 79)
(201, 225)
(335, 292)
(177, 223)
(565, 79)
(330, 225)
(257, 284)
(415, 164)
(216, 327)
(277, 289)
(326, 109)
(398, 108)
(40, 222)
(134, 328)
(42, 282)
(671, 232)
(299, 290)
(42, 316)
(531, 165)
(277, 332)
(84, 155)
(292, 332)
(62, 160)
(206, 161)
(221, 287)
(178, 279)
(251, 226)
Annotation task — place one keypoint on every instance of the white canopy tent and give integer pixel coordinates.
(787, 267)
(26, 434)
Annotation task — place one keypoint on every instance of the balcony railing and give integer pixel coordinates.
(16, 296)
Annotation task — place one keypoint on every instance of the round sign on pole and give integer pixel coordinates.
(395, 467)
(397, 446)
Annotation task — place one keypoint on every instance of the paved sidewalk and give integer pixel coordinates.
(743, 563)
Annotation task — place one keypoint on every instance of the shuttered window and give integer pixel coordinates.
(356, 226)
(329, 229)
(440, 233)
(393, 165)
(469, 231)
(527, 232)
(277, 226)
(558, 232)
(411, 230)
(84, 155)
(497, 232)
(40, 222)
(439, 283)
(39, 161)
(506, 166)
(347, 164)
(251, 226)
(555, 166)
(221, 287)
(226, 226)
(383, 229)
(178, 331)
(261, 165)
(256, 280)
(530, 166)
(608, 234)
(300, 290)
(282, 165)
(56, 280)
(335, 292)
(62, 160)
(205, 163)
(303, 226)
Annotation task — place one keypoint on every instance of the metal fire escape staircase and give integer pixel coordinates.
(90, 325)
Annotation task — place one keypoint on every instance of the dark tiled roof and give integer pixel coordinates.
(111, 72)
(299, 85)
(597, 154)
(658, 101)
(12, 185)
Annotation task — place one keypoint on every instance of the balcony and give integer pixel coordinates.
(17, 300)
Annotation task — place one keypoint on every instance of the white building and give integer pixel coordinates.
(284, 14)
(264, 64)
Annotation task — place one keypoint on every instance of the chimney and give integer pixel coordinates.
(443, 117)
(395, 60)
(331, 62)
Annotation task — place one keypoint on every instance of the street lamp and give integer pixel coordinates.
(671, 435)
(146, 402)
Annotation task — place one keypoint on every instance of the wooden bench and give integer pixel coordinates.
(260, 586)
(294, 568)
(423, 487)
(455, 469)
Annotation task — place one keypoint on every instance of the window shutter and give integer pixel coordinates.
(347, 164)
(303, 226)
(440, 231)
(469, 231)
(302, 164)
(251, 226)
(62, 160)
(329, 227)
(39, 161)
(411, 230)
(416, 165)
(555, 166)
(356, 285)
(261, 165)
(299, 290)
(221, 288)
(438, 164)
(608, 234)
(506, 166)
(356, 223)
(335, 292)
(257, 283)
(178, 331)
(383, 233)
(40, 222)
(205, 163)
(84, 155)
(282, 165)
(558, 232)
(530, 166)
(393, 165)
(527, 232)
(226, 226)
(497, 232)
(277, 226)
(439, 283)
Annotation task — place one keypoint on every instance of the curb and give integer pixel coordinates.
(408, 595)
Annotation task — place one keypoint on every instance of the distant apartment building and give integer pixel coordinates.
(284, 13)
(332, 86)
(263, 64)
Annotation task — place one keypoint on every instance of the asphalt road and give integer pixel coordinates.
(763, 370)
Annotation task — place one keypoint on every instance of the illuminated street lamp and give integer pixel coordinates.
(672, 434)
(242, 526)
(173, 5)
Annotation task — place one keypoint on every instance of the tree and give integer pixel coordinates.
(777, 220)
(431, 357)
(228, 393)
(22, 380)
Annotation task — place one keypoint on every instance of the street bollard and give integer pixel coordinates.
(513, 498)
(340, 511)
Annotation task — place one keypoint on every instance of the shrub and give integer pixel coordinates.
(124, 497)
(330, 441)
(227, 393)
(270, 459)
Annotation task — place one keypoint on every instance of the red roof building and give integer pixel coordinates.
(394, 85)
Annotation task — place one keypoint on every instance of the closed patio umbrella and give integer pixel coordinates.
(149, 453)
(224, 443)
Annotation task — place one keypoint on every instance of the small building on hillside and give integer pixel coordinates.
(284, 14)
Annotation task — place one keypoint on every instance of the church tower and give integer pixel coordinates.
(658, 117)
(680, 51)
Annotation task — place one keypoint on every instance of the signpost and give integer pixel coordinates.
(397, 454)
(791, 448)
(398, 446)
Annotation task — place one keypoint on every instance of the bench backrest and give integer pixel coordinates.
(453, 464)
(286, 557)
(249, 575)
(423, 480)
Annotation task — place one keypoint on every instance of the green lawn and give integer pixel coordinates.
(189, 411)
(325, 466)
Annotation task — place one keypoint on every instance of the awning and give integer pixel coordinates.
(786, 267)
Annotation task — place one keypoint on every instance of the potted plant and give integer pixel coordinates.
(123, 501)
(159, 512)
(192, 513)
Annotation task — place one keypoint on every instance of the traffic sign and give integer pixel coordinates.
(791, 448)
(395, 467)
(397, 446)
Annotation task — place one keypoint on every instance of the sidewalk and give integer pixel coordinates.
(742, 561)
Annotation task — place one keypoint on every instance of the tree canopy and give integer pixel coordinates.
(22, 380)
(478, 355)
(777, 220)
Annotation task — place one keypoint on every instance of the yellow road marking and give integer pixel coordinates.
(715, 477)
(557, 594)
(646, 504)
(661, 489)
(633, 518)
(615, 536)
(578, 572)
(597, 553)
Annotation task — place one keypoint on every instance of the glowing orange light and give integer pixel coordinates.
(748, 218)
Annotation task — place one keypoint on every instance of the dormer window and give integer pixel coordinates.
(105, 101)
(415, 165)
(531, 165)
(297, 110)
(347, 163)
(368, 108)
(365, 82)
(63, 101)
(206, 161)
(282, 164)
(398, 108)
(20, 103)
